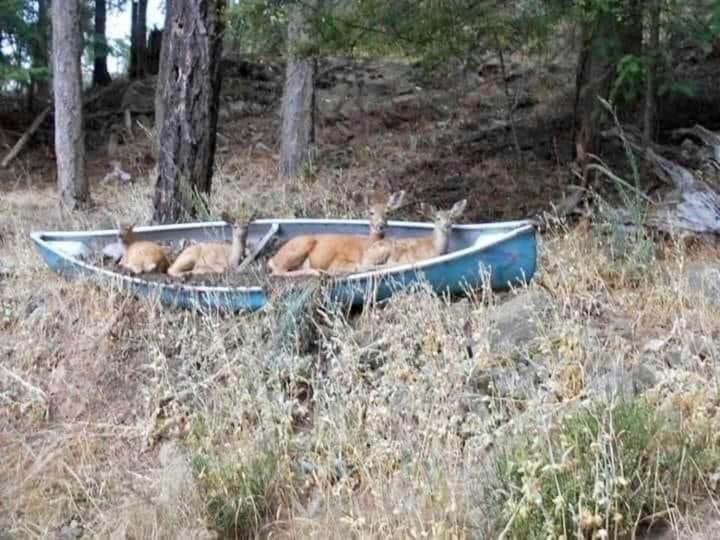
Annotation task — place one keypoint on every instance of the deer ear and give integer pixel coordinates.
(458, 208)
(251, 217)
(427, 210)
(226, 217)
(396, 200)
(359, 198)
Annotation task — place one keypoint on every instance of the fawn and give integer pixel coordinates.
(140, 256)
(212, 257)
(386, 252)
(313, 254)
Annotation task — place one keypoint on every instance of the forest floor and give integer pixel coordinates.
(585, 401)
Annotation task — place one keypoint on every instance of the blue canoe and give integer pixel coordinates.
(500, 255)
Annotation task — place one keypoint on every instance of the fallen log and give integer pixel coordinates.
(691, 205)
(26, 137)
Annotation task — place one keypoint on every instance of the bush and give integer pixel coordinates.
(602, 472)
(238, 488)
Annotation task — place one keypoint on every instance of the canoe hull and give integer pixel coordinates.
(497, 255)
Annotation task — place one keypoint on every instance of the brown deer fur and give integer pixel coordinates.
(333, 253)
(140, 256)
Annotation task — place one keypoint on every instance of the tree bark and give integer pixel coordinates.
(592, 79)
(632, 30)
(163, 74)
(190, 81)
(154, 46)
(297, 132)
(39, 86)
(101, 76)
(650, 83)
(67, 87)
(138, 38)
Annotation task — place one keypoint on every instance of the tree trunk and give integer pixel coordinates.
(138, 38)
(650, 86)
(142, 37)
(632, 29)
(39, 86)
(190, 81)
(67, 87)
(154, 46)
(631, 43)
(101, 76)
(297, 130)
(163, 75)
(592, 79)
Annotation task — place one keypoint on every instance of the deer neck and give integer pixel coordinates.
(237, 249)
(440, 241)
(126, 241)
(375, 236)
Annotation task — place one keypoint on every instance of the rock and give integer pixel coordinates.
(620, 327)
(676, 358)
(644, 378)
(514, 324)
(518, 382)
(619, 382)
(491, 393)
(70, 531)
(704, 280)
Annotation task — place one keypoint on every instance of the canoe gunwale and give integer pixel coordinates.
(517, 228)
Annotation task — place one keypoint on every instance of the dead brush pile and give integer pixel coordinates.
(584, 404)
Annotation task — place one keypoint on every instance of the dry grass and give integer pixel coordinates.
(139, 422)
(131, 421)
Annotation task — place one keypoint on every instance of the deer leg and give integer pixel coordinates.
(301, 272)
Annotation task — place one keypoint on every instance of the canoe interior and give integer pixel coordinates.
(462, 236)
(506, 250)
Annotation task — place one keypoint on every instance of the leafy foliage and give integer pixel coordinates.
(430, 31)
(24, 40)
(18, 34)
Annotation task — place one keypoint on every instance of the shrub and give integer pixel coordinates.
(602, 472)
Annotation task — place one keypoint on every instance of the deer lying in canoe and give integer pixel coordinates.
(213, 257)
(388, 252)
(314, 254)
(140, 256)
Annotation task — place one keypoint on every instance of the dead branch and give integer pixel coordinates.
(708, 137)
(22, 142)
(26, 137)
(25, 384)
(106, 114)
(3, 139)
(128, 124)
(670, 172)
